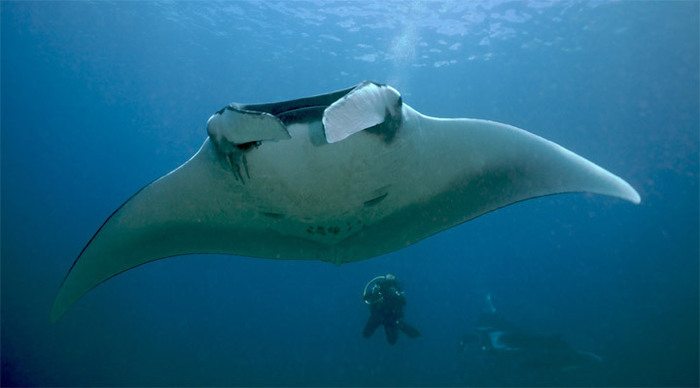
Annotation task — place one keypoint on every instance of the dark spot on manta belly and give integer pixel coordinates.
(375, 200)
(323, 230)
(273, 215)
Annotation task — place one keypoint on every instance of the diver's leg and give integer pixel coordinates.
(372, 324)
(392, 332)
(409, 330)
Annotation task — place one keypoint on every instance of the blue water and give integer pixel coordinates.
(98, 99)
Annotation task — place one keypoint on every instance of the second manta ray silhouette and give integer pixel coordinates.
(338, 177)
(508, 345)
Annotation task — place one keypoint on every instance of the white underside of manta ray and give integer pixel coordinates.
(338, 177)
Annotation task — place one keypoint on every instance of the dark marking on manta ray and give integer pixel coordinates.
(375, 200)
(273, 215)
(247, 146)
(236, 157)
(245, 165)
(236, 166)
(387, 129)
(322, 230)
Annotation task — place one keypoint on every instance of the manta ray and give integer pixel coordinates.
(338, 177)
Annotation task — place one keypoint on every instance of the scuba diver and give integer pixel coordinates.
(496, 337)
(386, 301)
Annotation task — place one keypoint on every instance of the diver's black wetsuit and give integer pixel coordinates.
(386, 302)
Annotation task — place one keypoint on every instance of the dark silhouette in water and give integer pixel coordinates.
(386, 302)
(504, 343)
